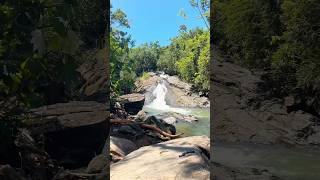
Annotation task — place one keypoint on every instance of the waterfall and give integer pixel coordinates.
(159, 103)
(160, 93)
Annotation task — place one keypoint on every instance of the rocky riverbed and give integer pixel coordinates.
(245, 113)
(246, 116)
(155, 155)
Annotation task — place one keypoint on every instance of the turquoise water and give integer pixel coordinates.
(202, 127)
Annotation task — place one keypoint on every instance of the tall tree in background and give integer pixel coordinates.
(122, 71)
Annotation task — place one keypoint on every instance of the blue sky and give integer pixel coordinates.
(157, 20)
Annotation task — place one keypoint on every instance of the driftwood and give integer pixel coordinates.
(145, 126)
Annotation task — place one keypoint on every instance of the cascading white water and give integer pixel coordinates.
(160, 93)
(159, 103)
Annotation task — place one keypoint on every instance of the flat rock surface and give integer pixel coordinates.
(72, 133)
(66, 115)
(135, 97)
(183, 158)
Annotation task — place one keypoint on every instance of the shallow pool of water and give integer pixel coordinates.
(287, 163)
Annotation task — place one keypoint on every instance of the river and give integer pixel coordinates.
(287, 163)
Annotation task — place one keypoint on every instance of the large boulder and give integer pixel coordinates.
(132, 103)
(183, 158)
(70, 132)
(120, 147)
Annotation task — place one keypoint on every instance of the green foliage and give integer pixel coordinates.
(280, 36)
(42, 43)
(203, 76)
(193, 61)
(122, 67)
(296, 62)
(145, 57)
(167, 60)
(244, 29)
(145, 75)
(187, 55)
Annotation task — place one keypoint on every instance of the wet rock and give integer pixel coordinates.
(132, 103)
(183, 158)
(170, 120)
(141, 116)
(152, 120)
(72, 132)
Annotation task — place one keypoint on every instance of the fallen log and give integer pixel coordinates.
(145, 126)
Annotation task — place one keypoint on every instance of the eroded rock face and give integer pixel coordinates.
(132, 103)
(242, 114)
(95, 74)
(72, 132)
(183, 158)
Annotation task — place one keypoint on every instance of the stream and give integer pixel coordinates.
(287, 163)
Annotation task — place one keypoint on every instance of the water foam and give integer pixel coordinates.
(159, 103)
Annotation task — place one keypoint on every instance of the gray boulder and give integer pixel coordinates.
(132, 103)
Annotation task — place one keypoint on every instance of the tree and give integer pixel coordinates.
(296, 62)
(122, 67)
(244, 29)
(145, 57)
